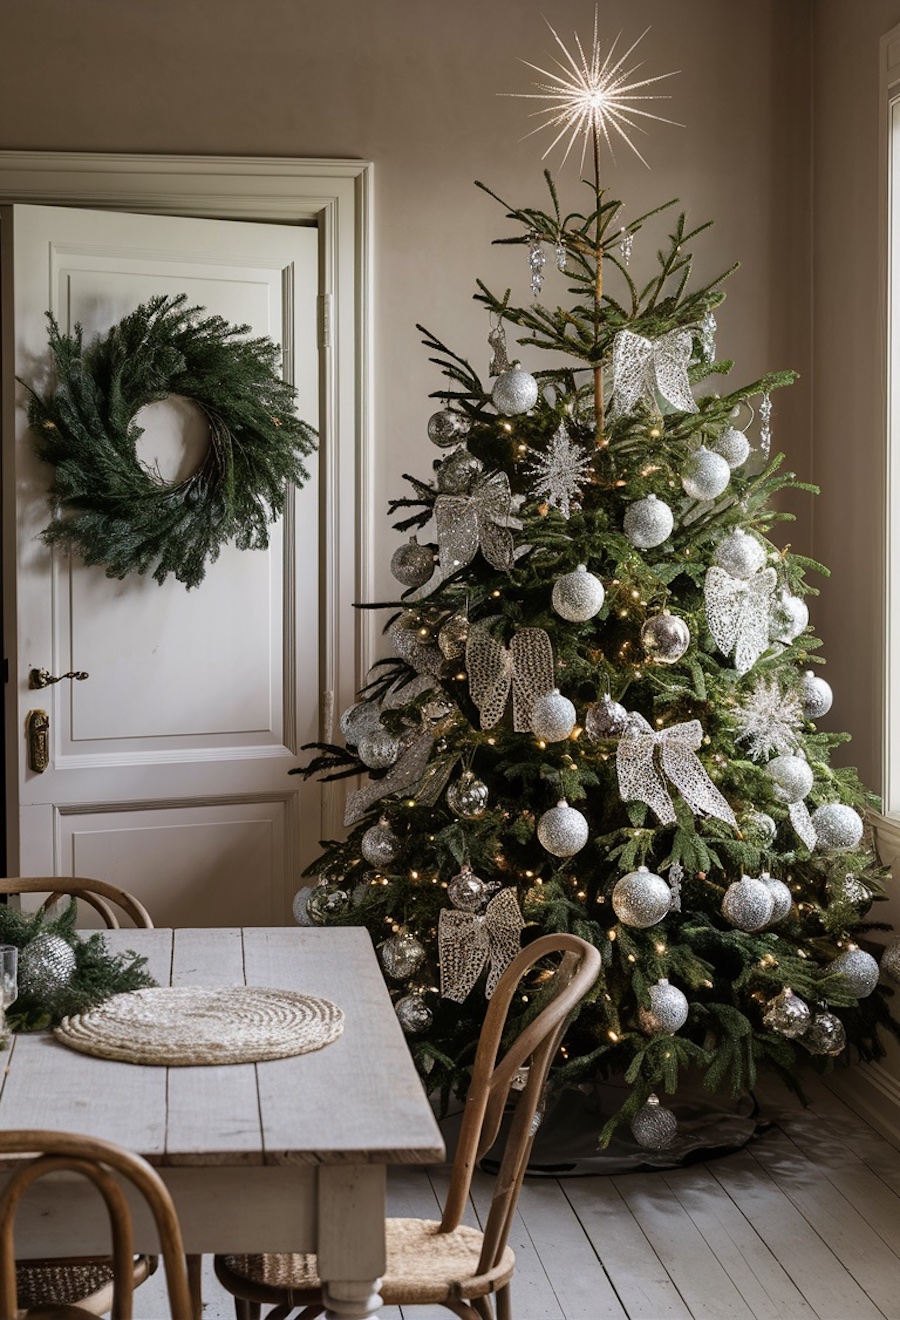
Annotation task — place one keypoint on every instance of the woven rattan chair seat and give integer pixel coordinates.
(423, 1265)
(68, 1282)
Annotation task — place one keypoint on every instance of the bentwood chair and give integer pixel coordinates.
(447, 1263)
(98, 894)
(107, 1167)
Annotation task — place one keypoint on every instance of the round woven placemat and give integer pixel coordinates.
(183, 1025)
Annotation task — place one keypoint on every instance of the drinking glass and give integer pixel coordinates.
(9, 987)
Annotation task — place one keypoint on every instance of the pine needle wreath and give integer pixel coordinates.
(120, 513)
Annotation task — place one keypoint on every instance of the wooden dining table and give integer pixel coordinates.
(282, 1156)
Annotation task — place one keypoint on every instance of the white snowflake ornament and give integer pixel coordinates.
(768, 720)
(558, 475)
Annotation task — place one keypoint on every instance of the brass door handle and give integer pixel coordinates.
(37, 726)
(41, 678)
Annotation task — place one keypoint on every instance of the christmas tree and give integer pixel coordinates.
(599, 714)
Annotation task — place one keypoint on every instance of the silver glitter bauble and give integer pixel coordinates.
(791, 777)
(641, 898)
(514, 392)
(838, 828)
(825, 1035)
(782, 898)
(858, 971)
(467, 890)
(654, 1127)
(748, 904)
(706, 475)
(761, 827)
(414, 1014)
(552, 716)
(446, 428)
(468, 796)
(789, 617)
(378, 749)
(453, 636)
(562, 830)
(890, 962)
(358, 720)
(417, 650)
(787, 1014)
(733, 446)
(740, 555)
(665, 638)
(605, 718)
(648, 522)
(457, 472)
(402, 955)
(578, 596)
(668, 1010)
(412, 564)
(45, 966)
(324, 903)
(380, 844)
(815, 695)
(299, 906)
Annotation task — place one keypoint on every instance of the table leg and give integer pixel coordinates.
(351, 1256)
(351, 1299)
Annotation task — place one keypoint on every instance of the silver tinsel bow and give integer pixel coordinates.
(642, 367)
(640, 780)
(737, 611)
(481, 521)
(469, 940)
(404, 775)
(526, 667)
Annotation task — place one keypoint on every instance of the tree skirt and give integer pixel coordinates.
(185, 1025)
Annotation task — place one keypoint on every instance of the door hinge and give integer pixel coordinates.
(324, 301)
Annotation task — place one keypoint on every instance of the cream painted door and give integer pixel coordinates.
(168, 765)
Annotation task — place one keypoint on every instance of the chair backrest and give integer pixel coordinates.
(489, 1090)
(99, 894)
(104, 1165)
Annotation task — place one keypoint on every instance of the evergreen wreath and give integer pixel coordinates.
(119, 512)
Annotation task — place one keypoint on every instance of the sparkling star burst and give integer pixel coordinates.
(768, 720)
(593, 95)
(560, 473)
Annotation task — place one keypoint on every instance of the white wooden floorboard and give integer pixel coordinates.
(533, 1294)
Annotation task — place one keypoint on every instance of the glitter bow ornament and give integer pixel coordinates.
(481, 520)
(644, 367)
(737, 611)
(467, 941)
(526, 667)
(404, 776)
(640, 780)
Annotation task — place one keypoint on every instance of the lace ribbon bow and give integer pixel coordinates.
(469, 940)
(640, 780)
(642, 367)
(737, 611)
(480, 520)
(526, 667)
(404, 775)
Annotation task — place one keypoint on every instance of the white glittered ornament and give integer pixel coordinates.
(782, 899)
(787, 1014)
(789, 617)
(668, 1010)
(748, 904)
(733, 446)
(578, 596)
(514, 392)
(791, 776)
(378, 749)
(838, 827)
(648, 522)
(858, 970)
(402, 955)
(379, 845)
(740, 555)
(890, 962)
(825, 1035)
(446, 428)
(654, 1127)
(641, 898)
(815, 695)
(414, 1014)
(552, 716)
(412, 564)
(665, 638)
(706, 475)
(562, 830)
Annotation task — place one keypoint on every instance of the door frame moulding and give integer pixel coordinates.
(335, 196)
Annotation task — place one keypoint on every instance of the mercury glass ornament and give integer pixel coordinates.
(46, 966)
(468, 796)
(402, 955)
(789, 617)
(358, 720)
(648, 522)
(578, 596)
(641, 898)
(791, 777)
(414, 1014)
(605, 718)
(748, 904)
(782, 899)
(854, 891)
(380, 844)
(825, 1035)
(665, 638)
(457, 472)
(668, 1010)
(858, 970)
(787, 1014)
(761, 827)
(733, 446)
(552, 716)
(467, 891)
(378, 749)
(324, 903)
(514, 392)
(453, 636)
(706, 475)
(412, 564)
(446, 428)
(838, 827)
(740, 555)
(562, 830)
(815, 695)
(890, 962)
(654, 1127)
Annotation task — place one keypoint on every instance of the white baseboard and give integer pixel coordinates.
(873, 1093)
